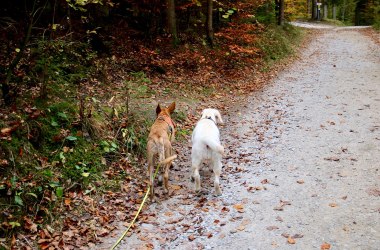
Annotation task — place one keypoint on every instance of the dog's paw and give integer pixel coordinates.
(192, 179)
(159, 180)
(218, 192)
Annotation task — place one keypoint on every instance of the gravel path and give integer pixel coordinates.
(302, 171)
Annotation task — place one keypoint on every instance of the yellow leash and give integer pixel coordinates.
(167, 160)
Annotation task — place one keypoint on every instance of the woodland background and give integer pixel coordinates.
(79, 80)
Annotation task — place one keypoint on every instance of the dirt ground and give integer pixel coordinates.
(302, 164)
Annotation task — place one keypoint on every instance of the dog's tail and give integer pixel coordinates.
(215, 146)
(168, 160)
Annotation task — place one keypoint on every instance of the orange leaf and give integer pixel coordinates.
(67, 202)
(175, 187)
(325, 246)
(291, 240)
(333, 205)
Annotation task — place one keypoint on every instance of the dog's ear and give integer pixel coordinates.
(158, 109)
(219, 117)
(171, 108)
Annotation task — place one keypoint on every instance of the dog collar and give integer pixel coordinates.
(209, 117)
(168, 120)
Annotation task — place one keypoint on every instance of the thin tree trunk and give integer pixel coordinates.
(210, 30)
(313, 9)
(281, 12)
(172, 21)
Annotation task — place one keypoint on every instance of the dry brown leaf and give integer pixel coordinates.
(291, 240)
(239, 207)
(191, 237)
(270, 228)
(265, 181)
(175, 187)
(333, 204)
(300, 181)
(325, 246)
(168, 214)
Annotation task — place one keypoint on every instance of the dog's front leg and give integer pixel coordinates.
(195, 169)
(151, 182)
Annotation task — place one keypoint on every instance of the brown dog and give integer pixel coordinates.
(159, 145)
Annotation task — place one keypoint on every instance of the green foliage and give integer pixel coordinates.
(278, 41)
(376, 16)
(265, 13)
(62, 62)
(226, 14)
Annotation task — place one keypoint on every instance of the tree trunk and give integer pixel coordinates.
(210, 30)
(308, 8)
(172, 21)
(281, 9)
(313, 9)
(334, 12)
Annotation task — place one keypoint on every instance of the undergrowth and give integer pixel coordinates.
(277, 42)
(78, 114)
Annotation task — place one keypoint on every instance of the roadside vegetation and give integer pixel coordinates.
(78, 98)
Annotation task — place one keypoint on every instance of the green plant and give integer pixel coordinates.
(109, 146)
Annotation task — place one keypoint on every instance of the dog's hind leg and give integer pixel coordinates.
(217, 168)
(150, 158)
(168, 153)
(195, 165)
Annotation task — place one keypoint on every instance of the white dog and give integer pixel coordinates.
(206, 147)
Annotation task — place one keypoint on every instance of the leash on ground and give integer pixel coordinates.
(166, 161)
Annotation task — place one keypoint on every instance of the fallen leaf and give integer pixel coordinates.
(30, 225)
(191, 237)
(291, 240)
(270, 228)
(168, 214)
(265, 181)
(297, 236)
(239, 208)
(333, 205)
(332, 158)
(300, 181)
(225, 209)
(373, 191)
(325, 246)
(175, 187)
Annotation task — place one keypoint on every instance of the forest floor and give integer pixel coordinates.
(302, 164)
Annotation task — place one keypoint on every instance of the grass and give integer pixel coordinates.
(277, 42)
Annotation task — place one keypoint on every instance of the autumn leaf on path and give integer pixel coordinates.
(325, 246)
(280, 207)
(300, 181)
(332, 158)
(270, 228)
(333, 205)
(239, 208)
(291, 240)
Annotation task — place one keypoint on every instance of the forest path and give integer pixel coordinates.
(302, 163)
